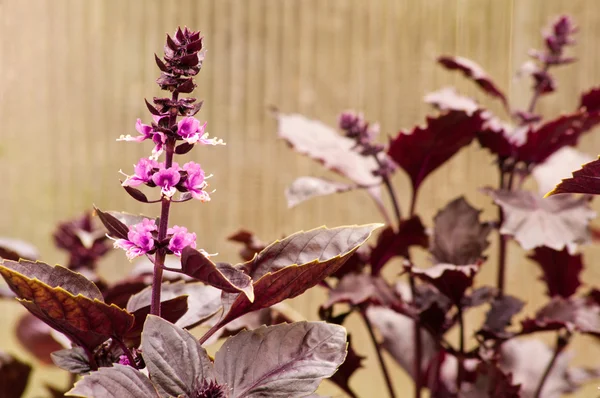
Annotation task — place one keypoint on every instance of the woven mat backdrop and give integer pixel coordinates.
(74, 75)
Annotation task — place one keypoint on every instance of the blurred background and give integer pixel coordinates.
(74, 75)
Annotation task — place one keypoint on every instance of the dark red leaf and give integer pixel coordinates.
(475, 72)
(575, 313)
(498, 137)
(136, 194)
(557, 167)
(184, 148)
(120, 292)
(561, 270)
(14, 376)
(66, 301)
(451, 280)
(304, 188)
(14, 249)
(324, 144)
(36, 337)
(590, 100)
(170, 309)
(118, 223)
(357, 289)
(391, 243)
(424, 149)
(459, 237)
(555, 222)
(499, 317)
(586, 180)
(287, 268)
(252, 245)
(351, 364)
(223, 276)
(161, 65)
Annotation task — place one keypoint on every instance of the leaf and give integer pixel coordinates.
(351, 364)
(474, 72)
(560, 270)
(14, 249)
(575, 314)
(14, 376)
(202, 301)
(458, 236)
(287, 268)
(294, 359)
(177, 363)
(136, 194)
(451, 280)
(586, 180)
(171, 310)
(36, 337)
(304, 188)
(223, 276)
(500, 138)
(590, 100)
(397, 331)
(557, 167)
(447, 99)
(424, 149)
(492, 382)
(555, 222)
(66, 301)
(252, 245)
(118, 223)
(499, 317)
(119, 381)
(324, 144)
(357, 289)
(390, 243)
(74, 360)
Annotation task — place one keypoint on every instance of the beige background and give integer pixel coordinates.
(74, 74)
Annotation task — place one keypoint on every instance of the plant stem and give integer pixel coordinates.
(413, 203)
(561, 343)
(537, 92)
(461, 349)
(384, 369)
(416, 340)
(391, 191)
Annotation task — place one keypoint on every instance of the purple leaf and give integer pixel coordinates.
(14, 249)
(252, 245)
(287, 268)
(424, 149)
(474, 72)
(458, 236)
(586, 180)
(14, 376)
(202, 301)
(556, 222)
(171, 310)
(561, 270)
(184, 148)
(351, 364)
(118, 381)
(36, 337)
(136, 194)
(499, 317)
(74, 360)
(118, 223)
(304, 188)
(223, 276)
(447, 99)
(324, 144)
(557, 167)
(390, 243)
(177, 363)
(451, 280)
(294, 359)
(357, 289)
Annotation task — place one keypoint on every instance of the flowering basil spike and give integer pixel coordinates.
(143, 173)
(167, 179)
(195, 182)
(139, 239)
(180, 239)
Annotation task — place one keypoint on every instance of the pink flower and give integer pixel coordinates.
(142, 173)
(160, 140)
(167, 179)
(144, 130)
(195, 181)
(139, 239)
(192, 132)
(180, 239)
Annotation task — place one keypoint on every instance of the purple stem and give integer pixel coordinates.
(461, 349)
(384, 370)
(417, 340)
(561, 343)
(391, 191)
(537, 92)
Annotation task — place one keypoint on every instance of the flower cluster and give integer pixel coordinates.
(142, 239)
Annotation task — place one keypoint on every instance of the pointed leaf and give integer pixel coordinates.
(586, 180)
(171, 310)
(447, 99)
(136, 194)
(557, 167)
(14, 249)
(475, 72)
(590, 100)
(119, 381)
(500, 138)
(294, 359)
(223, 276)
(118, 223)
(324, 144)
(14, 376)
(73, 360)
(555, 222)
(561, 270)
(499, 317)
(66, 301)
(184, 148)
(202, 301)
(451, 280)
(458, 236)
(424, 149)
(287, 268)
(392, 243)
(176, 361)
(304, 188)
